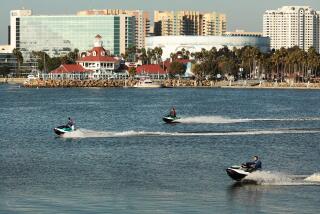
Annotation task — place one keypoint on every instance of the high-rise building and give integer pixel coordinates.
(142, 21)
(60, 34)
(292, 26)
(214, 24)
(318, 12)
(169, 23)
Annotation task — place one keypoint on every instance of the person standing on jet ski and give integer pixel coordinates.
(256, 164)
(70, 123)
(173, 112)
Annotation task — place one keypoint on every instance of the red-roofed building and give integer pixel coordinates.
(95, 64)
(70, 71)
(154, 71)
(98, 60)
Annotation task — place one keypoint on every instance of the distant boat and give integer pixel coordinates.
(147, 83)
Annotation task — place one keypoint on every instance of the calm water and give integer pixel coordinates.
(124, 159)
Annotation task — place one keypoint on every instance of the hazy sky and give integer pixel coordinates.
(241, 14)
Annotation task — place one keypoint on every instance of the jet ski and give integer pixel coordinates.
(60, 130)
(171, 119)
(238, 173)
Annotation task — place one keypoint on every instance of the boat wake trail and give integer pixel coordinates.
(85, 133)
(314, 177)
(211, 119)
(282, 179)
(226, 120)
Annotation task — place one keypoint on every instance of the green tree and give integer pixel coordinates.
(158, 54)
(143, 56)
(227, 65)
(199, 71)
(313, 60)
(45, 62)
(4, 70)
(17, 53)
(53, 63)
(132, 71)
(176, 68)
(131, 53)
(151, 56)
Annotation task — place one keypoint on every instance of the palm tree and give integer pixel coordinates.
(151, 55)
(158, 54)
(17, 53)
(313, 59)
(143, 56)
(132, 71)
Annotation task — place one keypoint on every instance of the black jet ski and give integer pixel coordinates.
(238, 173)
(171, 119)
(60, 130)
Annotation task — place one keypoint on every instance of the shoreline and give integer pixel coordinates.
(168, 83)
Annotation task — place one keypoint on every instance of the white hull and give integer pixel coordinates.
(147, 83)
(154, 85)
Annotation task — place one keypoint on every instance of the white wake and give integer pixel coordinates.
(282, 179)
(211, 119)
(314, 177)
(85, 133)
(226, 120)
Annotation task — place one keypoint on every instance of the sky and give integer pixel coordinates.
(241, 14)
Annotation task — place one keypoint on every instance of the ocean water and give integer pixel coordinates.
(124, 159)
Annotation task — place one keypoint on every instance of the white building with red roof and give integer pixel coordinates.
(70, 71)
(94, 64)
(154, 71)
(99, 61)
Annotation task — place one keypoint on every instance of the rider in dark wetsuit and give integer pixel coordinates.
(70, 123)
(256, 164)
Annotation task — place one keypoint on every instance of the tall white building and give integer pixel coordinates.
(292, 26)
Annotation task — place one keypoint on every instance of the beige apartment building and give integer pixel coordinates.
(175, 23)
(142, 21)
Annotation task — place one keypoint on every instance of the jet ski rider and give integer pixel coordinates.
(173, 112)
(256, 164)
(70, 123)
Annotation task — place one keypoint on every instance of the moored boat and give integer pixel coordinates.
(147, 83)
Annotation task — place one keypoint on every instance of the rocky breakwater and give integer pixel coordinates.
(117, 83)
(193, 83)
(78, 83)
(166, 83)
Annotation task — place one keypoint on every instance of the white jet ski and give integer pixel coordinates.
(238, 173)
(60, 130)
(171, 119)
